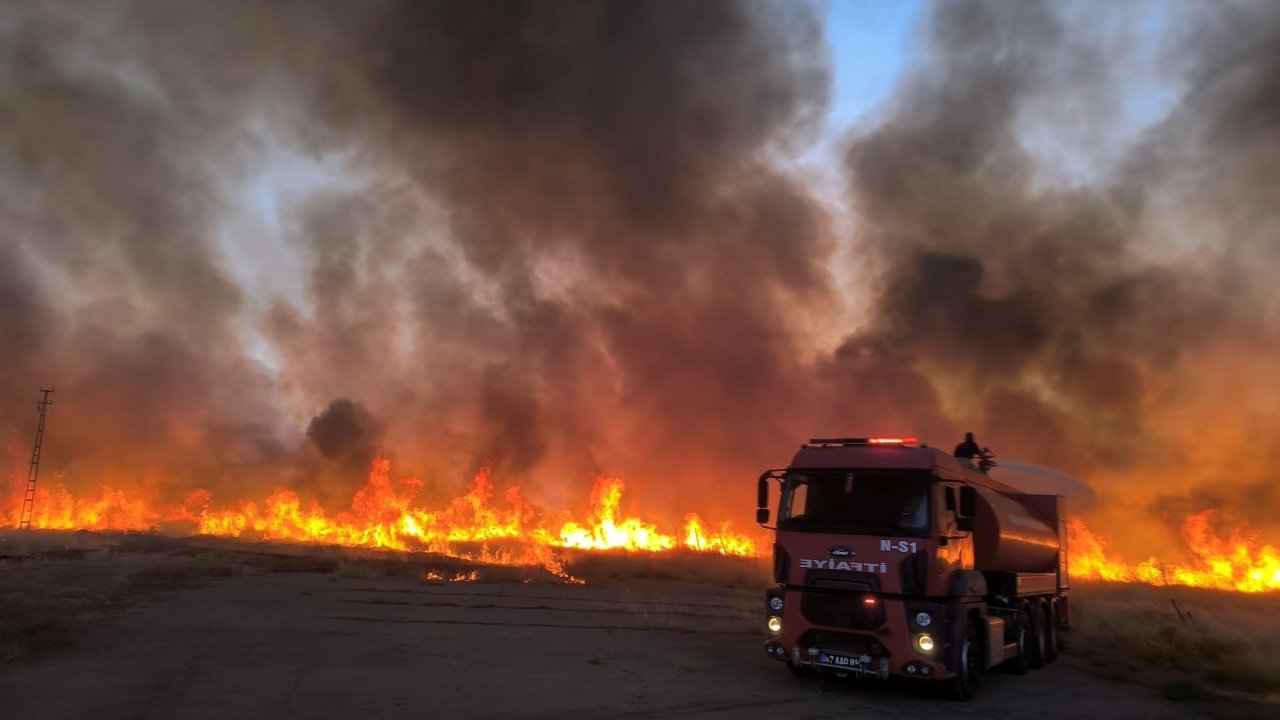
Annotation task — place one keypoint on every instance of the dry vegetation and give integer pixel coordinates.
(729, 572)
(1192, 645)
(54, 585)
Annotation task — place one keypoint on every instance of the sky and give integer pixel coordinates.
(870, 46)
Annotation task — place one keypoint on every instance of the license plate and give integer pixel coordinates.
(840, 661)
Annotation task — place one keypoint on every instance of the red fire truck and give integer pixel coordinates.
(895, 558)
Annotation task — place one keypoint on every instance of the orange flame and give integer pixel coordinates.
(384, 514)
(723, 540)
(607, 530)
(1238, 562)
(433, 576)
(473, 526)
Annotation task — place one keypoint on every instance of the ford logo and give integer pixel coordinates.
(842, 552)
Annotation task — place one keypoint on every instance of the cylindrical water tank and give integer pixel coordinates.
(1008, 538)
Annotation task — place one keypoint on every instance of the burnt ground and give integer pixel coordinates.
(316, 645)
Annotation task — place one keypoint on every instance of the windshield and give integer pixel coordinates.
(875, 502)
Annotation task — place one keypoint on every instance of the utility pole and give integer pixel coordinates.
(28, 502)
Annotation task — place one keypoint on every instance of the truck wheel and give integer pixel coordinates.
(1019, 663)
(1038, 643)
(969, 669)
(1051, 645)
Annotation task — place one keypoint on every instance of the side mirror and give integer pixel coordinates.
(762, 496)
(968, 502)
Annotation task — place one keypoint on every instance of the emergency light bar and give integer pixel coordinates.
(865, 441)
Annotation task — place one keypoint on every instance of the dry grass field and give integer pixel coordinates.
(54, 584)
(1190, 644)
(1215, 653)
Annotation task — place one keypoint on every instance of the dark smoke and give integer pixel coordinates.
(562, 248)
(1050, 314)
(563, 238)
(346, 431)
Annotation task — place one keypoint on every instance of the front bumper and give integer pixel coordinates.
(866, 667)
(843, 664)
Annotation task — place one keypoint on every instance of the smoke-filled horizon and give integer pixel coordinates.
(565, 239)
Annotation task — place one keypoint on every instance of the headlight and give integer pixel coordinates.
(925, 643)
(775, 603)
(775, 624)
(923, 619)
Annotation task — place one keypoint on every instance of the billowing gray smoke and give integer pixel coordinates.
(1109, 324)
(560, 247)
(555, 237)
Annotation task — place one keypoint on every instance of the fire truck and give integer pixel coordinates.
(893, 558)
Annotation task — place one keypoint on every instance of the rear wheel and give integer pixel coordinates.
(1018, 664)
(969, 666)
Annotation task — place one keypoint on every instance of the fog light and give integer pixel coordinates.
(775, 626)
(925, 643)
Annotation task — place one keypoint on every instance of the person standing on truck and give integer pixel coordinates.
(969, 448)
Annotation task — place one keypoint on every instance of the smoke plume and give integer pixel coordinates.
(562, 239)
(1105, 325)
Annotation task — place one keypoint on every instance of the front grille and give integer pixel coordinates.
(841, 610)
(843, 643)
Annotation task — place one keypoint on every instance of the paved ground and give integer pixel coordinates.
(322, 646)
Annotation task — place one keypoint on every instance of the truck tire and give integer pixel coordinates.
(1051, 631)
(1038, 643)
(1018, 664)
(969, 667)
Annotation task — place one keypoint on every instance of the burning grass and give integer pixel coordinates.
(388, 513)
(1231, 560)
(1189, 644)
(482, 525)
(494, 526)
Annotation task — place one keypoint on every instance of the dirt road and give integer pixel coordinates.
(322, 646)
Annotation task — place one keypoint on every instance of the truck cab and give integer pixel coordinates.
(893, 558)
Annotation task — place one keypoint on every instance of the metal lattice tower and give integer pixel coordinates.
(29, 501)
